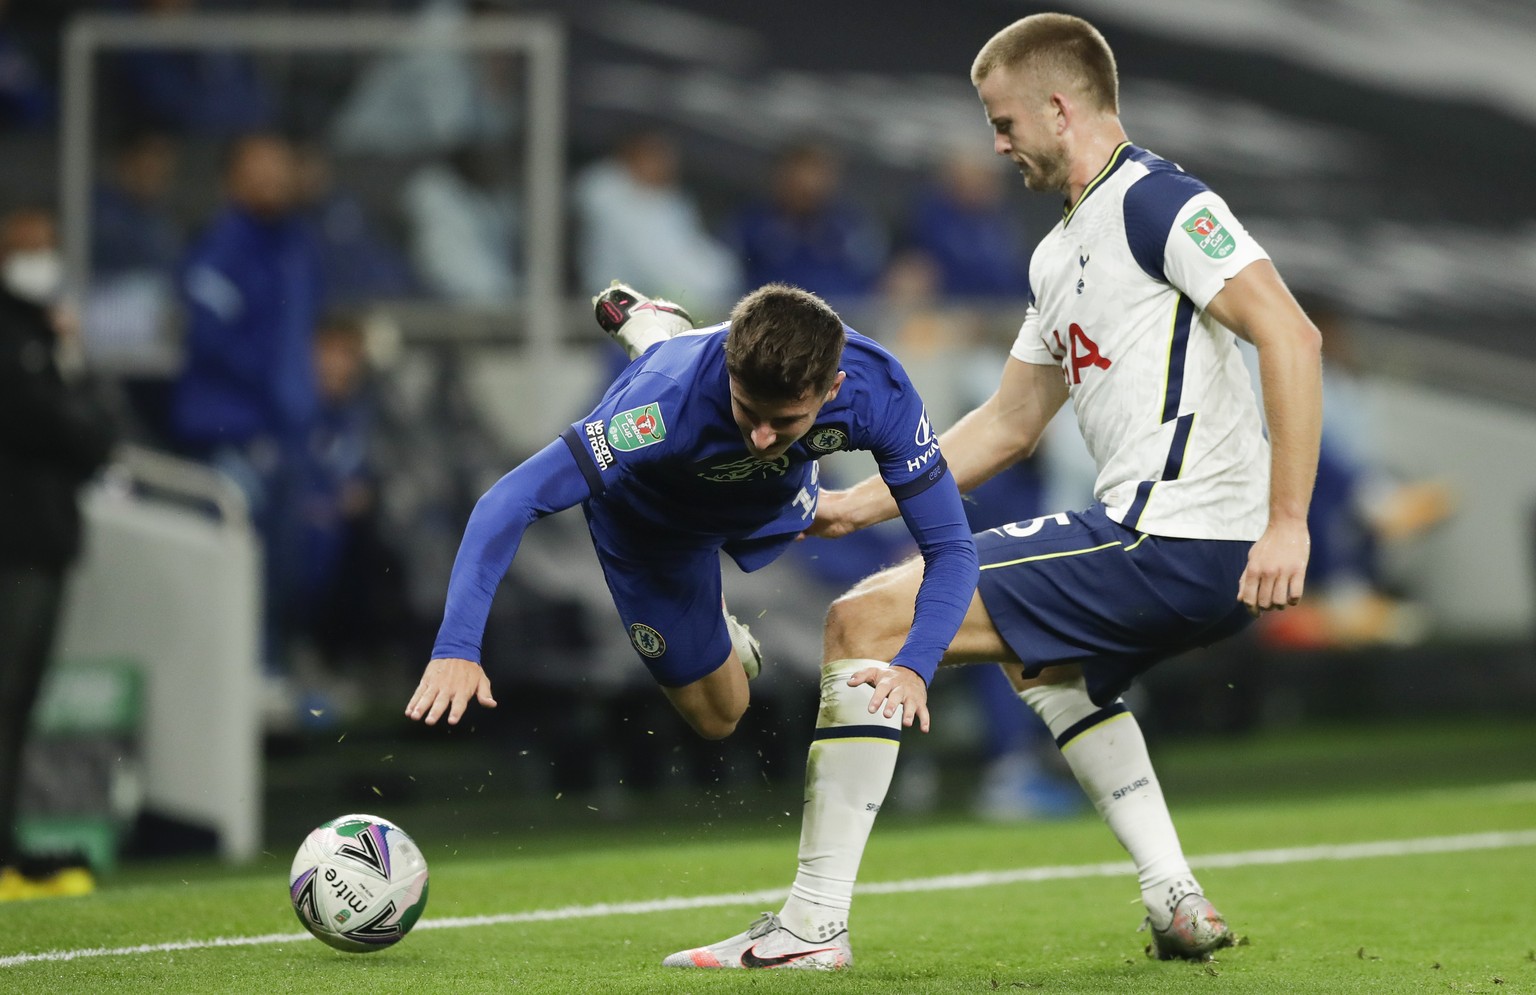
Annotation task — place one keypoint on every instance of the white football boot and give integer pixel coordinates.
(636, 321)
(767, 944)
(1195, 929)
(748, 650)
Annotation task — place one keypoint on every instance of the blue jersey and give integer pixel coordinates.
(662, 453)
(664, 476)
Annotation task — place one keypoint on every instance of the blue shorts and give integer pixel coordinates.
(1080, 588)
(668, 594)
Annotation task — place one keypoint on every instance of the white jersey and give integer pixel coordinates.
(1161, 393)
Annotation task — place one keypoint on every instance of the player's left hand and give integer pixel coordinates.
(833, 518)
(1277, 568)
(449, 684)
(896, 687)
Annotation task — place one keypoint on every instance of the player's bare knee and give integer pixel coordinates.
(854, 626)
(841, 624)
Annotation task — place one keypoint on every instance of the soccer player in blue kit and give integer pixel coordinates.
(1199, 522)
(708, 442)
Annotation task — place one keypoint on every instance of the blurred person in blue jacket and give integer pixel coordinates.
(807, 234)
(246, 400)
(960, 222)
(132, 227)
(129, 305)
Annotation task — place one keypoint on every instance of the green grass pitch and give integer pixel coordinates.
(1455, 914)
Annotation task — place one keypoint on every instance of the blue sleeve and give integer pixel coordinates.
(546, 482)
(216, 334)
(902, 440)
(935, 516)
(1151, 206)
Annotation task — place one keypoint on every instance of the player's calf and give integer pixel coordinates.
(713, 704)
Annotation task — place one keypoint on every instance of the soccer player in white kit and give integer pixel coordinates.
(1199, 522)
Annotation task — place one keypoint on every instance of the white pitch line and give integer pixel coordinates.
(947, 882)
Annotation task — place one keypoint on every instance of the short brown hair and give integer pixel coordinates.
(1061, 47)
(784, 342)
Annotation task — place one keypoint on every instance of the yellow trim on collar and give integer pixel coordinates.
(1114, 160)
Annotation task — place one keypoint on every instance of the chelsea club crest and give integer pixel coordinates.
(647, 640)
(825, 440)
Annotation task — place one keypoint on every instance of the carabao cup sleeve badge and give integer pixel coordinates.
(637, 428)
(1213, 237)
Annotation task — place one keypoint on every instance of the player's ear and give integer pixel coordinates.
(837, 385)
(1062, 111)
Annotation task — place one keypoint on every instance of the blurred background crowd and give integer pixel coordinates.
(322, 296)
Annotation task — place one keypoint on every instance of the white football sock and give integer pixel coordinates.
(646, 328)
(847, 775)
(1108, 755)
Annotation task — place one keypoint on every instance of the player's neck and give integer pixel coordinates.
(1091, 154)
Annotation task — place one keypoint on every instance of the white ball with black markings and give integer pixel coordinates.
(358, 883)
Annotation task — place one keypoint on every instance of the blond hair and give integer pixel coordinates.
(1062, 49)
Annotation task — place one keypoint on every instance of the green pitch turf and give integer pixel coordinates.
(1340, 920)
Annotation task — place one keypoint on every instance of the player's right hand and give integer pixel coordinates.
(448, 684)
(896, 687)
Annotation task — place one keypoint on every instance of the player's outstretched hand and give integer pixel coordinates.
(844, 512)
(1277, 568)
(833, 519)
(896, 687)
(830, 521)
(448, 685)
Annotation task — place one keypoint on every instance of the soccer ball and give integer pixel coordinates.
(359, 883)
